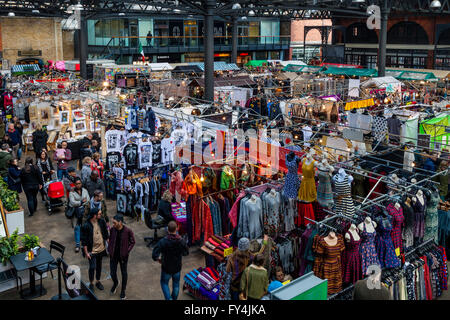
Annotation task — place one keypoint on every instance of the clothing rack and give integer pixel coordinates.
(418, 247)
(351, 287)
(321, 223)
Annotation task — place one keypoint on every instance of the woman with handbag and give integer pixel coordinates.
(14, 176)
(78, 199)
(237, 262)
(254, 280)
(32, 182)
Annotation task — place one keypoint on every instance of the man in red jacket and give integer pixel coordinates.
(121, 241)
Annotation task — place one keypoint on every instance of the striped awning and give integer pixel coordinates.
(25, 68)
(218, 66)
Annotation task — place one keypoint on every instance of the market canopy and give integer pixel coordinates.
(25, 68)
(381, 82)
(218, 66)
(412, 75)
(257, 63)
(293, 68)
(187, 69)
(161, 66)
(351, 72)
(292, 62)
(311, 69)
(225, 82)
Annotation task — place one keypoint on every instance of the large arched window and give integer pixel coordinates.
(358, 33)
(444, 38)
(407, 33)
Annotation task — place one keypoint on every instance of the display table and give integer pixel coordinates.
(20, 264)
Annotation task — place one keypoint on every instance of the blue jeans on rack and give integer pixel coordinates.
(165, 277)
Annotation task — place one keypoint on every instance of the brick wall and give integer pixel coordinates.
(68, 45)
(19, 33)
(298, 26)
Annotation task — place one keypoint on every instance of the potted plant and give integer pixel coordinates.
(9, 247)
(13, 212)
(30, 241)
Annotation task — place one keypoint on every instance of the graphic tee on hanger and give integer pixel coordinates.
(130, 153)
(113, 158)
(115, 140)
(145, 154)
(167, 150)
(156, 153)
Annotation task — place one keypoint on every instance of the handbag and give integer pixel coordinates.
(14, 181)
(69, 212)
(241, 295)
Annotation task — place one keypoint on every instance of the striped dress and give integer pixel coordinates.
(344, 205)
(328, 262)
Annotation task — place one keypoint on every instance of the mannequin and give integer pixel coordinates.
(324, 190)
(369, 224)
(331, 239)
(307, 191)
(419, 197)
(341, 175)
(352, 232)
(292, 182)
(344, 202)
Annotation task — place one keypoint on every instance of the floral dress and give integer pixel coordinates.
(385, 247)
(367, 249)
(292, 182)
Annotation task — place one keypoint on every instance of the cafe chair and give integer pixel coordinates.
(49, 267)
(150, 223)
(83, 293)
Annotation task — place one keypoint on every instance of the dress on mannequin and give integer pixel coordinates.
(397, 222)
(432, 218)
(368, 252)
(408, 228)
(324, 191)
(328, 262)
(385, 247)
(419, 218)
(345, 205)
(352, 260)
(307, 191)
(292, 182)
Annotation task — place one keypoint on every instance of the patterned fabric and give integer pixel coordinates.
(379, 128)
(385, 247)
(443, 269)
(419, 210)
(324, 191)
(432, 218)
(292, 182)
(307, 191)
(319, 213)
(367, 250)
(408, 229)
(352, 260)
(328, 263)
(397, 221)
(344, 203)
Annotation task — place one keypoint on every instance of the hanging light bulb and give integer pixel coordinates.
(202, 178)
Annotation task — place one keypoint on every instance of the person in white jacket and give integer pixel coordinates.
(78, 199)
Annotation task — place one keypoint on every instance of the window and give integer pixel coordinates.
(407, 33)
(358, 33)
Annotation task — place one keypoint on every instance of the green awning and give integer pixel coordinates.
(351, 72)
(256, 63)
(412, 75)
(311, 69)
(293, 68)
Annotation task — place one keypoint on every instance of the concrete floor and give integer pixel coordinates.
(143, 272)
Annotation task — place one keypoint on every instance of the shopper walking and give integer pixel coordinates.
(14, 182)
(78, 199)
(94, 183)
(39, 139)
(69, 180)
(97, 165)
(254, 280)
(86, 169)
(94, 235)
(32, 182)
(16, 142)
(5, 157)
(19, 128)
(169, 252)
(237, 262)
(99, 203)
(62, 156)
(2, 128)
(121, 242)
(85, 151)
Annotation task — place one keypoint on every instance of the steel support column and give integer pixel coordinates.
(234, 41)
(83, 46)
(209, 50)
(383, 39)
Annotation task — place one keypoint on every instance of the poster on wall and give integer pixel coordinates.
(64, 117)
(32, 110)
(78, 115)
(79, 126)
(95, 127)
(44, 115)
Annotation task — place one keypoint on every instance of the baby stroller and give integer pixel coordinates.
(54, 195)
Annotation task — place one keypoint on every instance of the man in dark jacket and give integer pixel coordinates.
(5, 157)
(94, 235)
(169, 252)
(16, 140)
(94, 183)
(40, 138)
(121, 241)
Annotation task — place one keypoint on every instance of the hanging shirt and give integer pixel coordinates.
(118, 172)
(112, 138)
(130, 153)
(156, 153)
(112, 158)
(307, 134)
(167, 150)
(145, 154)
